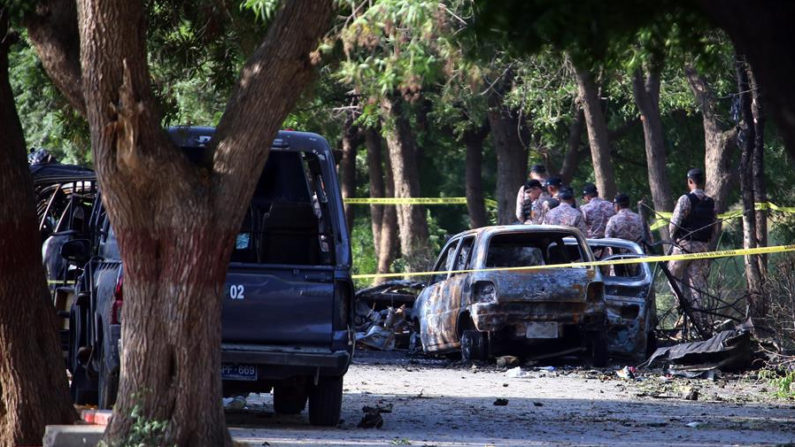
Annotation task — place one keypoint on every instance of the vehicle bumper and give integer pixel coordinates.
(514, 317)
(276, 362)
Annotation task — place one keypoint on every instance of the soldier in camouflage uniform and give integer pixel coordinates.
(565, 214)
(539, 173)
(532, 195)
(625, 224)
(596, 211)
(693, 225)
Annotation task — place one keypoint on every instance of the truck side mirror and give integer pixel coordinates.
(77, 251)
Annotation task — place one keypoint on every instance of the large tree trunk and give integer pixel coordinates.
(348, 167)
(375, 170)
(176, 221)
(598, 138)
(403, 154)
(33, 382)
(719, 144)
(390, 240)
(575, 151)
(753, 275)
(647, 98)
(473, 140)
(511, 157)
(760, 190)
(763, 31)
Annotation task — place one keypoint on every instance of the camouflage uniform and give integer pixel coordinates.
(625, 225)
(691, 273)
(596, 214)
(564, 214)
(539, 210)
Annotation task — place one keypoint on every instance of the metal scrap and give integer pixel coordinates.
(726, 351)
(379, 324)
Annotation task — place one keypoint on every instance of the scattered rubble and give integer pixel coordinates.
(372, 418)
(383, 315)
(725, 351)
(507, 360)
(500, 402)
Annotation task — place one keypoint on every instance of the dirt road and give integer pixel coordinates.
(441, 403)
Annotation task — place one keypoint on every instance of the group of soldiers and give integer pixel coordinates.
(544, 200)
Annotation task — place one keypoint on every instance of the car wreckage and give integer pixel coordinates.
(483, 303)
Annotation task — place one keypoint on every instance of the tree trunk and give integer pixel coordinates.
(403, 156)
(33, 384)
(760, 191)
(647, 98)
(348, 168)
(375, 169)
(390, 241)
(473, 140)
(753, 275)
(575, 151)
(511, 157)
(176, 221)
(763, 32)
(719, 145)
(597, 133)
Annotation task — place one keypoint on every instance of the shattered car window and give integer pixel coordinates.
(462, 260)
(619, 270)
(530, 249)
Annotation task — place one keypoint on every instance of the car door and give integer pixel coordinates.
(431, 301)
(455, 292)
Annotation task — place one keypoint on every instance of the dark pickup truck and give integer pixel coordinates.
(287, 305)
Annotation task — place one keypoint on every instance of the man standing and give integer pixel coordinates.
(532, 201)
(596, 211)
(539, 173)
(692, 226)
(565, 214)
(625, 224)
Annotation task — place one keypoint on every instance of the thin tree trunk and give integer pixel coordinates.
(473, 140)
(511, 157)
(390, 241)
(575, 151)
(33, 382)
(753, 275)
(597, 133)
(375, 169)
(719, 145)
(760, 190)
(348, 168)
(176, 221)
(647, 98)
(403, 155)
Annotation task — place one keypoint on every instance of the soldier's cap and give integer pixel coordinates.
(554, 181)
(696, 174)
(589, 189)
(565, 193)
(621, 200)
(532, 184)
(538, 169)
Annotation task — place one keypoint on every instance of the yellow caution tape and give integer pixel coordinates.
(639, 260)
(733, 214)
(413, 201)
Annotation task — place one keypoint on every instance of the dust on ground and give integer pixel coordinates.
(446, 403)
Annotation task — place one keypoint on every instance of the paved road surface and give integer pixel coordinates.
(441, 403)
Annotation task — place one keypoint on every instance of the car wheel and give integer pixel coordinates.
(599, 355)
(289, 399)
(415, 343)
(108, 387)
(325, 402)
(473, 346)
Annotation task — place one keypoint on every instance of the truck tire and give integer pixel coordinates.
(473, 346)
(108, 387)
(599, 354)
(325, 402)
(289, 399)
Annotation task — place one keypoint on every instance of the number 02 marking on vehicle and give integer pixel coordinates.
(236, 292)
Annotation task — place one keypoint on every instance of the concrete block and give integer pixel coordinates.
(72, 435)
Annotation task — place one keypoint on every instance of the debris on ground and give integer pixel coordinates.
(626, 373)
(383, 315)
(725, 351)
(501, 402)
(518, 373)
(692, 395)
(507, 360)
(234, 403)
(372, 418)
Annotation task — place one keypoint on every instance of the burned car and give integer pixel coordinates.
(496, 307)
(629, 294)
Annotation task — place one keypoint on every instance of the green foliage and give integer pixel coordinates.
(143, 432)
(264, 9)
(782, 380)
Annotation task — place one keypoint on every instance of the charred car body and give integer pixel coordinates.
(287, 304)
(539, 312)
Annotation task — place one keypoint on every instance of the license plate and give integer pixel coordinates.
(542, 329)
(235, 371)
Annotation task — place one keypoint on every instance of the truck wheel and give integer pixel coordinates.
(289, 399)
(108, 388)
(473, 346)
(325, 402)
(599, 355)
